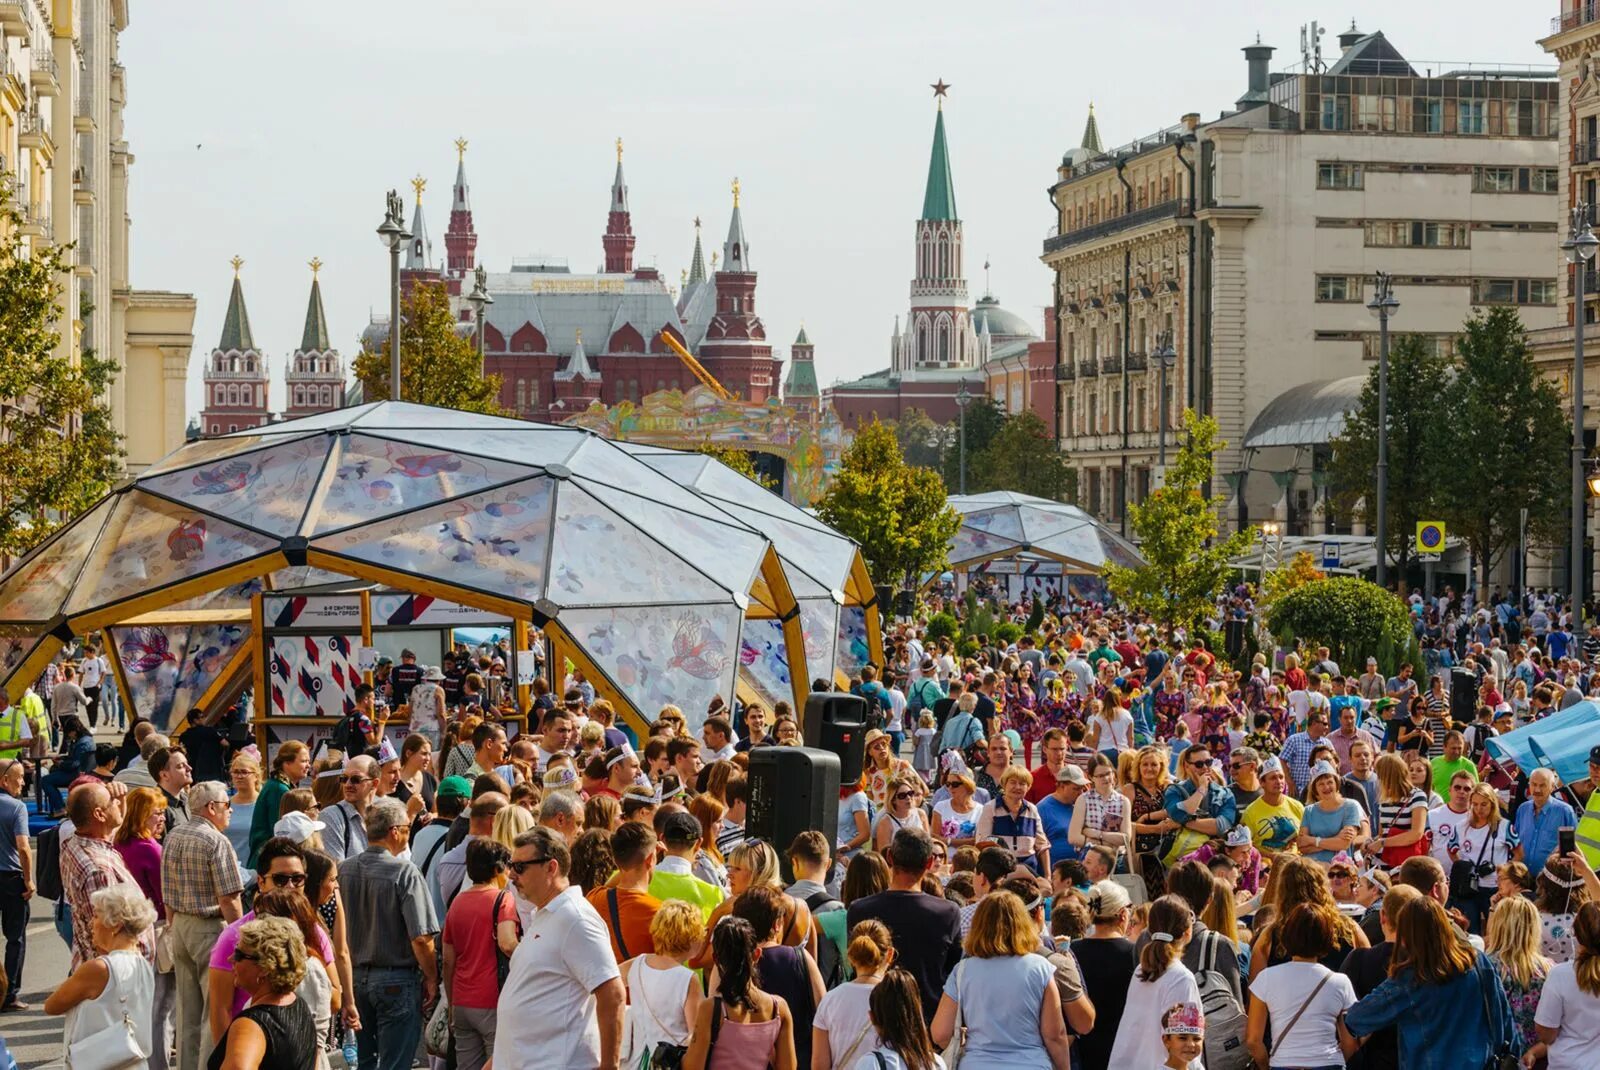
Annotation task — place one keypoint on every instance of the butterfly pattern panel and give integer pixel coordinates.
(853, 652)
(15, 646)
(764, 660)
(819, 623)
(375, 477)
(267, 489)
(494, 541)
(601, 559)
(168, 668)
(150, 543)
(657, 655)
(35, 589)
(312, 675)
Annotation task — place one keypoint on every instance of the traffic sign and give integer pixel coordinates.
(1430, 536)
(1330, 555)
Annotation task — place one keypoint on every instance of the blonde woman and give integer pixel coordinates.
(754, 864)
(511, 822)
(1485, 842)
(903, 811)
(956, 818)
(1402, 813)
(1151, 775)
(1013, 822)
(880, 767)
(1512, 944)
(245, 773)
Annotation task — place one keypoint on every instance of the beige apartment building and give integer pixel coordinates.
(1260, 269)
(63, 149)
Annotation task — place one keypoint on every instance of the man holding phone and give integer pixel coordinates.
(1541, 820)
(1200, 804)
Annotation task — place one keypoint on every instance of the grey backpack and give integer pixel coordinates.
(1225, 1018)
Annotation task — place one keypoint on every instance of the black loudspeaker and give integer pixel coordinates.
(792, 789)
(837, 721)
(1463, 695)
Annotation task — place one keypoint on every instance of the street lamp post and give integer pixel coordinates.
(479, 299)
(1271, 532)
(1580, 246)
(963, 399)
(1166, 359)
(1383, 305)
(392, 232)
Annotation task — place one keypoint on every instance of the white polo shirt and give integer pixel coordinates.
(546, 1016)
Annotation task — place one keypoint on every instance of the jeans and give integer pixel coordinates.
(389, 1000)
(14, 927)
(896, 741)
(161, 1020)
(193, 937)
(61, 775)
(94, 705)
(1475, 907)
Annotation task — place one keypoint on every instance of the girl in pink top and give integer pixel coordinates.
(752, 1027)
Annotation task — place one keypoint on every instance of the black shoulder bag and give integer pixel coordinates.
(502, 961)
(616, 923)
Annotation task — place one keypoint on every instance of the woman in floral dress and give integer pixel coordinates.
(1512, 943)
(1020, 714)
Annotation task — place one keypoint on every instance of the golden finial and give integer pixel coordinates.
(580, 336)
(461, 148)
(684, 280)
(419, 184)
(619, 150)
(736, 192)
(315, 265)
(713, 260)
(237, 263)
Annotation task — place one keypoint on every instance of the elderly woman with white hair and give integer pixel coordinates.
(114, 986)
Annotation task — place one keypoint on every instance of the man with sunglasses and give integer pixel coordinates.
(1199, 803)
(562, 1001)
(346, 833)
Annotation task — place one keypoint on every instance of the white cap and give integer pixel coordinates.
(297, 826)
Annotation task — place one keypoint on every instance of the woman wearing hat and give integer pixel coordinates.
(426, 706)
(1330, 822)
(881, 766)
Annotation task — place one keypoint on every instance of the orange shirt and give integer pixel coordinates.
(634, 910)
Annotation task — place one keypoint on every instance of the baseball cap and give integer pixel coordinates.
(297, 826)
(1071, 774)
(1239, 836)
(680, 829)
(458, 787)
(1106, 898)
(1594, 755)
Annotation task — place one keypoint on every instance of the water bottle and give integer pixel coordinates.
(350, 1048)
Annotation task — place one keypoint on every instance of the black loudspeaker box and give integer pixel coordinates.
(1463, 695)
(792, 789)
(837, 721)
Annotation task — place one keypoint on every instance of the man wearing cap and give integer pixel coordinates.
(1055, 811)
(1106, 960)
(1370, 686)
(674, 875)
(405, 676)
(429, 843)
(1274, 819)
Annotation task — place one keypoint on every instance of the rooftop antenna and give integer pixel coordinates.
(1316, 46)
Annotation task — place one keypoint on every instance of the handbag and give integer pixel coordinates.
(164, 939)
(958, 1039)
(1464, 874)
(1279, 1039)
(1394, 856)
(114, 1047)
(1502, 1058)
(436, 1036)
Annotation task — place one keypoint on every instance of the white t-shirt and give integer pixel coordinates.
(897, 710)
(92, 670)
(1138, 1040)
(1117, 731)
(547, 1011)
(891, 1061)
(1314, 1040)
(1299, 705)
(843, 1013)
(1493, 847)
(1576, 1013)
(1444, 823)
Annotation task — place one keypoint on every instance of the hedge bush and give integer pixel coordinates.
(942, 626)
(1351, 617)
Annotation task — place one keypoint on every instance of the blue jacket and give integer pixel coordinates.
(1443, 1026)
(1219, 804)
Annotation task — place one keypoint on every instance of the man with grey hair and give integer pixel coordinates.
(345, 834)
(201, 886)
(391, 929)
(137, 775)
(562, 813)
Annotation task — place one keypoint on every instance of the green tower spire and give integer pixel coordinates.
(315, 335)
(236, 324)
(939, 202)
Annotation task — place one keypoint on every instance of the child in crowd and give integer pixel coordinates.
(923, 760)
(1183, 1034)
(663, 993)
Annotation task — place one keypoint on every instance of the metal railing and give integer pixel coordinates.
(1064, 372)
(44, 61)
(1112, 363)
(1586, 150)
(1580, 15)
(1138, 362)
(1173, 208)
(1133, 148)
(1088, 366)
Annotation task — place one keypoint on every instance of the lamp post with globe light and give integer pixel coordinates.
(1383, 305)
(1580, 248)
(963, 399)
(392, 232)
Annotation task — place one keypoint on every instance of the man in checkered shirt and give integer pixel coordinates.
(89, 863)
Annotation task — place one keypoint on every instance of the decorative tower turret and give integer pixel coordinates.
(800, 388)
(619, 238)
(236, 374)
(419, 254)
(460, 240)
(314, 381)
(735, 348)
(578, 383)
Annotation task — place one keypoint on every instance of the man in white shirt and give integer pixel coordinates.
(1446, 821)
(561, 1005)
(93, 673)
(558, 734)
(1079, 674)
(717, 735)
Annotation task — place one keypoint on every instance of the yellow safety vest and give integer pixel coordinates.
(1588, 833)
(11, 722)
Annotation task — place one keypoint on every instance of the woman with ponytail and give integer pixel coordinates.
(1568, 1018)
(904, 1044)
(842, 1028)
(741, 1026)
(1160, 981)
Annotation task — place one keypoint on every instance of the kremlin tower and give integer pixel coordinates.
(460, 240)
(619, 239)
(236, 373)
(314, 381)
(735, 348)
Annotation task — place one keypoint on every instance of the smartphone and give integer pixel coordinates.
(1567, 842)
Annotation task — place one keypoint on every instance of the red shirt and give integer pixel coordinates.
(1044, 782)
(468, 929)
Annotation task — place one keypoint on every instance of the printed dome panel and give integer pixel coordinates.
(211, 450)
(534, 446)
(603, 558)
(1002, 522)
(39, 584)
(660, 655)
(265, 489)
(376, 477)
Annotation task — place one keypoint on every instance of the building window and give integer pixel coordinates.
(1336, 175)
(232, 428)
(1116, 411)
(1415, 234)
(522, 395)
(1513, 291)
(299, 395)
(216, 429)
(1338, 288)
(1495, 179)
(1068, 416)
(533, 394)
(1469, 116)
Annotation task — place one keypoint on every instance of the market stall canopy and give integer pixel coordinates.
(650, 580)
(1560, 742)
(1006, 524)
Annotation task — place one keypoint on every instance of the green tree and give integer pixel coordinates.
(922, 442)
(984, 421)
(1022, 456)
(1352, 617)
(1507, 441)
(897, 512)
(1418, 378)
(1177, 528)
(58, 451)
(437, 365)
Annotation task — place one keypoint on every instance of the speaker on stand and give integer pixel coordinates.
(792, 789)
(837, 721)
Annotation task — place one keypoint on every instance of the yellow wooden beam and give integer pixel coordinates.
(128, 608)
(366, 630)
(794, 639)
(240, 662)
(31, 666)
(597, 677)
(519, 643)
(118, 675)
(263, 695)
(162, 617)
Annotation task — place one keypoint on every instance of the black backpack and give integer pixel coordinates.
(47, 864)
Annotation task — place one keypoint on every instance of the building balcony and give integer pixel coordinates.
(31, 132)
(1172, 209)
(1585, 152)
(1112, 364)
(14, 17)
(82, 186)
(1581, 15)
(1591, 282)
(44, 76)
(1138, 362)
(1065, 372)
(1088, 367)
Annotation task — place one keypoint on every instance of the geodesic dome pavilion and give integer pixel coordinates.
(1003, 524)
(645, 584)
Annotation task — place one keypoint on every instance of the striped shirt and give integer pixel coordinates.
(1395, 817)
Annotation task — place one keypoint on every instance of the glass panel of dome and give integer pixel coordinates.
(233, 596)
(1039, 523)
(36, 588)
(376, 477)
(1002, 522)
(819, 623)
(168, 668)
(656, 655)
(533, 445)
(493, 541)
(764, 660)
(723, 549)
(824, 559)
(289, 579)
(408, 415)
(321, 421)
(600, 461)
(209, 450)
(968, 545)
(852, 651)
(601, 559)
(267, 490)
(150, 543)
(15, 645)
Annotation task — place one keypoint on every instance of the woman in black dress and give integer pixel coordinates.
(276, 1031)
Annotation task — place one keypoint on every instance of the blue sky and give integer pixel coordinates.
(272, 132)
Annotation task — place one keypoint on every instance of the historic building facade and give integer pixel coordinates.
(314, 380)
(235, 376)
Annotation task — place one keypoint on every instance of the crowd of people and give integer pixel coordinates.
(1082, 841)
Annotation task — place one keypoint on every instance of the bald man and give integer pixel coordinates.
(346, 832)
(89, 863)
(1539, 821)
